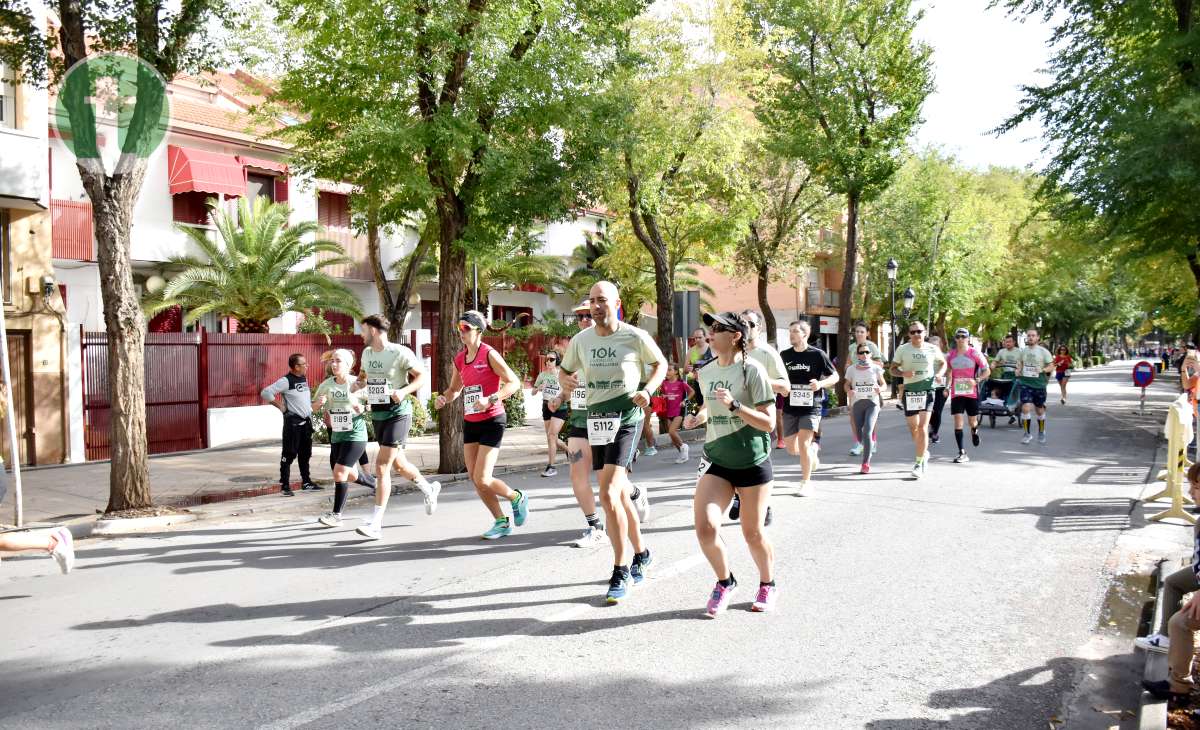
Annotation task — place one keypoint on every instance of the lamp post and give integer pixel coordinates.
(910, 298)
(892, 268)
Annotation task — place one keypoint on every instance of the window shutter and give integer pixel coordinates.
(281, 190)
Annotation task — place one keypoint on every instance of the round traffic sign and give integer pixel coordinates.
(1143, 374)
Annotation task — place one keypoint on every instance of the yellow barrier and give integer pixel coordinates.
(1179, 435)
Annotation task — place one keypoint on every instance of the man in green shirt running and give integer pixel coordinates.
(611, 358)
(919, 363)
(1033, 366)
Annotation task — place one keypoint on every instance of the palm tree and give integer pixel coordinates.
(251, 272)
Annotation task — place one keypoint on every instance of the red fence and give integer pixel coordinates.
(188, 373)
(71, 230)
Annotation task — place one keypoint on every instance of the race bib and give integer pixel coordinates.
(704, 464)
(340, 420)
(579, 399)
(377, 391)
(603, 430)
(1030, 371)
(864, 390)
(915, 401)
(471, 396)
(963, 387)
(802, 395)
(550, 391)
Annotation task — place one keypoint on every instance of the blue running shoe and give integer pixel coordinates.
(499, 530)
(618, 585)
(637, 570)
(520, 508)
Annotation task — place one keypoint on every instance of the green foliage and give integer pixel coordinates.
(251, 273)
(514, 409)
(314, 323)
(431, 408)
(420, 417)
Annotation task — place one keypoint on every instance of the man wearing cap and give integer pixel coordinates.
(968, 368)
(611, 359)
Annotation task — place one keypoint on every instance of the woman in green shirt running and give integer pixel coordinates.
(347, 430)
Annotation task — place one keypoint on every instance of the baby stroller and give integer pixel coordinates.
(1008, 394)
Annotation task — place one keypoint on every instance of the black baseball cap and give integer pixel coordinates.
(728, 319)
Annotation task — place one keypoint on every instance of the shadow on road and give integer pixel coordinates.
(1075, 514)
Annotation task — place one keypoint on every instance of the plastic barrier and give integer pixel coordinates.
(1179, 434)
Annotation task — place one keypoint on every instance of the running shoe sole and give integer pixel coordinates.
(64, 550)
(431, 499)
(369, 533)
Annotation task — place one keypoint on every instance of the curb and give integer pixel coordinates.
(1152, 712)
(139, 525)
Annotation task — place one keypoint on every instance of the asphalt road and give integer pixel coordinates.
(970, 599)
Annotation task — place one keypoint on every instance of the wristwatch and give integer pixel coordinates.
(735, 406)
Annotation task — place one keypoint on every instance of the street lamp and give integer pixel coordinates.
(910, 297)
(892, 268)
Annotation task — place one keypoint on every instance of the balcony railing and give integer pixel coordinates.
(72, 235)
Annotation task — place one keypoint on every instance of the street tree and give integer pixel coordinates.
(258, 268)
(676, 181)
(167, 39)
(482, 104)
(845, 94)
(1120, 114)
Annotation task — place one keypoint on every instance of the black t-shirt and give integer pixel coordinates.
(803, 368)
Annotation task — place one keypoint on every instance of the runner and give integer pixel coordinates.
(1004, 366)
(939, 396)
(390, 373)
(58, 543)
(612, 356)
(296, 407)
(864, 383)
(484, 380)
(365, 478)
(860, 341)
(554, 409)
(1035, 365)
(675, 391)
(579, 452)
(736, 460)
(1062, 370)
(698, 348)
(345, 405)
(918, 363)
(967, 368)
(809, 372)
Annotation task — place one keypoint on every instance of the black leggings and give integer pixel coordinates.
(939, 402)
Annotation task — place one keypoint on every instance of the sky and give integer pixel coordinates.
(981, 57)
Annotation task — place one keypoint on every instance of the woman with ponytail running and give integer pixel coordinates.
(736, 460)
(347, 430)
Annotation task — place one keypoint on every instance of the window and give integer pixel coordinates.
(510, 314)
(260, 186)
(8, 97)
(190, 207)
(430, 312)
(5, 248)
(333, 210)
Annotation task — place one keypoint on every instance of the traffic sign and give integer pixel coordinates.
(1143, 374)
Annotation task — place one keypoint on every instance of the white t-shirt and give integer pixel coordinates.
(864, 381)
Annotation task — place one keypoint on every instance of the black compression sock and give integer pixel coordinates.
(340, 490)
(958, 438)
(728, 582)
(593, 520)
(769, 583)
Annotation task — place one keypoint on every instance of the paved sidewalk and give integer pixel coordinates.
(248, 471)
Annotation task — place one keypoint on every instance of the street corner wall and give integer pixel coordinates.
(30, 260)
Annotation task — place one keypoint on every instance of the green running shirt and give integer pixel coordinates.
(612, 368)
(728, 440)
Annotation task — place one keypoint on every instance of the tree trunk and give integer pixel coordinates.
(1193, 260)
(386, 300)
(845, 306)
(768, 317)
(645, 228)
(112, 204)
(451, 280)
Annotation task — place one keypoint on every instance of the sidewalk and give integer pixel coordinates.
(239, 472)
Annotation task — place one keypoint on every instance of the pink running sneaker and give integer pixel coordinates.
(866, 469)
(719, 600)
(765, 600)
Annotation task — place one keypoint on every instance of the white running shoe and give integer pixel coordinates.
(856, 450)
(962, 458)
(685, 453)
(815, 460)
(64, 550)
(642, 505)
(650, 451)
(1028, 438)
(591, 537)
(1041, 437)
(917, 470)
(431, 497)
(330, 519)
(1154, 642)
(370, 531)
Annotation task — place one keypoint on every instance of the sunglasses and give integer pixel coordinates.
(464, 327)
(916, 332)
(721, 328)
(864, 352)
(960, 337)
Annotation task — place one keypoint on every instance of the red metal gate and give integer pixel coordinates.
(174, 417)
